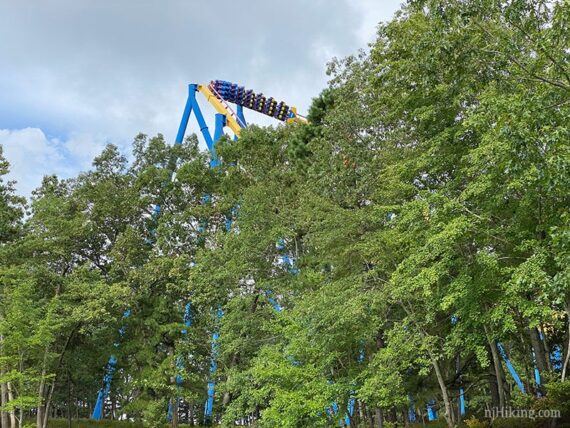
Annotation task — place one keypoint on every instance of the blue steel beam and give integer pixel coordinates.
(209, 406)
(536, 375)
(241, 117)
(431, 411)
(200, 117)
(110, 369)
(186, 115)
(511, 368)
(411, 409)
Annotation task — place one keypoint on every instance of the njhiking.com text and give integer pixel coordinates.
(509, 412)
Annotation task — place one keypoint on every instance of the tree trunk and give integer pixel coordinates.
(113, 407)
(3, 392)
(10, 389)
(498, 371)
(41, 392)
(47, 407)
(12, 412)
(227, 397)
(493, 387)
(174, 406)
(4, 421)
(567, 356)
(369, 418)
(449, 414)
(48, 404)
(68, 400)
(191, 414)
(378, 418)
(539, 352)
(547, 351)
(173, 400)
(361, 413)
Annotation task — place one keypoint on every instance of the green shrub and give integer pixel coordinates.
(558, 397)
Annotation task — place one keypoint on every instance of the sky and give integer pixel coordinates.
(76, 75)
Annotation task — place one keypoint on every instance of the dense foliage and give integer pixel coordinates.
(414, 231)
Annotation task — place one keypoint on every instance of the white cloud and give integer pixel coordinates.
(372, 12)
(32, 155)
(86, 73)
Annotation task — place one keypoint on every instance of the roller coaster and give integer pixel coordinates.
(220, 94)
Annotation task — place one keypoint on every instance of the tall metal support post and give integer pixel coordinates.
(511, 368)
(241, 117)
(110, 369)
(431, 410)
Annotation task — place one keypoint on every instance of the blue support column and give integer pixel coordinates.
(511, 368)
(209, 406)
(110, 369)
(200, 118)
(536, 376)
(187, 324)
(458, 371)
(186, 115)
(241, 117)
(556, 357)
(352, 401)
(349, 411)
(218, 133)
(431, 411)
(537, 379)
(411, 409)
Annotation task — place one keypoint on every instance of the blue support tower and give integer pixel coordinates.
(190, 106)
(225, 117)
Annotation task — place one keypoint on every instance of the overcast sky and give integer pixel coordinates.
(77, 74)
